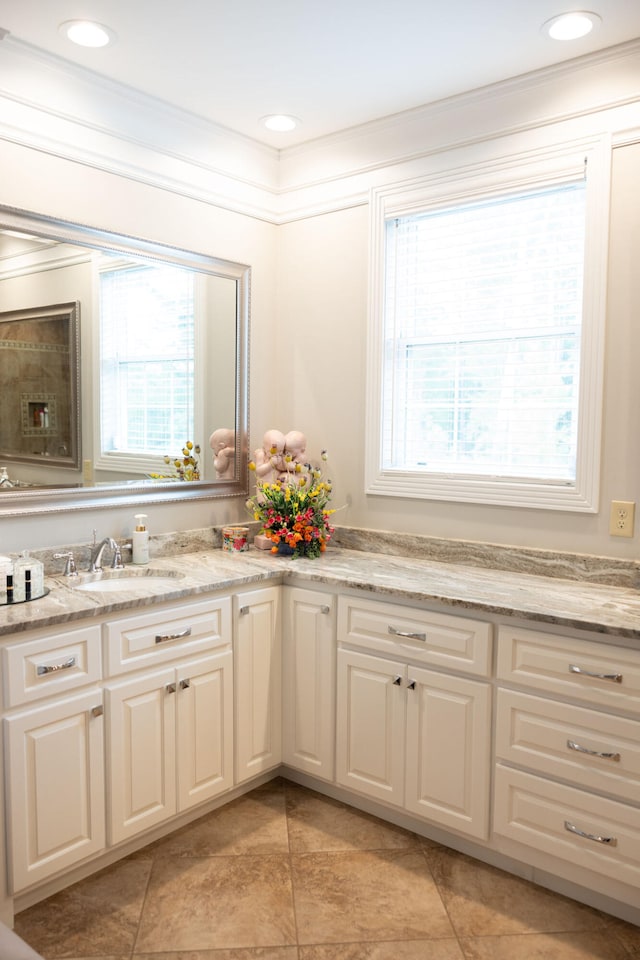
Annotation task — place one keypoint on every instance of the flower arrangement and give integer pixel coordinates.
(186, 467)
(293, 509)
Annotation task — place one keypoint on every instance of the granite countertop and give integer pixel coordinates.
(607, 610)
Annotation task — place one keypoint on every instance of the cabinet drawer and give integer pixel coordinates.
(49, 665)
(418, 635)
(597, 673)
(148, 639)
(591, 749)
(588, 831)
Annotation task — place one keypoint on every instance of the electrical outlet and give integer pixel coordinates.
(622, 518)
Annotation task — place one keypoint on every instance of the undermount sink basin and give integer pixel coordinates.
(120, 581)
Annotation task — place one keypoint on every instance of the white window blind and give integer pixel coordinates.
(147, 358)
(482, 337)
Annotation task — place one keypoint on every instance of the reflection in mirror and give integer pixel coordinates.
(164, 336)
(39, 373)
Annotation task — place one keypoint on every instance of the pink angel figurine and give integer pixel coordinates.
(269, 460)
(222, 443)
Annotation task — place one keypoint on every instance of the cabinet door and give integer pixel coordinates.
(55, 790)
(308, 673)
(448, 750)
(141, 758)
(205, 728)
(258, 683)
(371, 723)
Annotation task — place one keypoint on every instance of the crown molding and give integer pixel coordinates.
(76, 115)
(72, 95)
(582, 87)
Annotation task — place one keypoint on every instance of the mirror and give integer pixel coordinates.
(128, 436)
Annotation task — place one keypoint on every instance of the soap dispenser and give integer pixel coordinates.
(140, 539)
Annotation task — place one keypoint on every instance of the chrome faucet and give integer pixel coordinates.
(95, 563)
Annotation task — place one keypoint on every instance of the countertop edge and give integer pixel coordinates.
(600, 609)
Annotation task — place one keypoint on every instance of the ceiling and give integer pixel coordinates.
(334, 65)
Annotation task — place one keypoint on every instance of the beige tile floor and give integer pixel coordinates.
(286, 874)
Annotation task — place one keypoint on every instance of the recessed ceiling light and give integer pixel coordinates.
(571, 26)
(87, 33)
(280, 122)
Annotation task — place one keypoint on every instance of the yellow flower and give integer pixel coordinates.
(252, 465)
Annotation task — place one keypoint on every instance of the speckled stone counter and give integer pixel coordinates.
(608, 610)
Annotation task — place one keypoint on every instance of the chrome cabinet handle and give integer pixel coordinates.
(397, 681)
(244, 611)
(609, 841)
(411, 685)
(65, 665)
(408, 636)
(170, 688)
(97, 711)
(163, 637)
(325, 609)
(185, 684)
(613, 677)
(592, 753)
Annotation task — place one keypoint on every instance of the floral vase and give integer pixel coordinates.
(284, 550)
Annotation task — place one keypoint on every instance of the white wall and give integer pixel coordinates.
(323, 289)
(301, 220)
(34, 181)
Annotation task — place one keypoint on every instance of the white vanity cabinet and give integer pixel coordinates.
(567, 779)
(258, 684)
(309, 681)
(410, 735)
(169, 716)
(54, 752)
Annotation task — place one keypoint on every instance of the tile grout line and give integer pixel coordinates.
(285, 794)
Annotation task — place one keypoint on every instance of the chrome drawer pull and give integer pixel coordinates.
(610, 841)
(408, 636)
(592, 753)
(170, 688)
(185, 684)
(325, 609)
(397, 681)
(162, 638)
(613, 677)
(244, 611)
(411, 685)
(66, 665)
(97, 711)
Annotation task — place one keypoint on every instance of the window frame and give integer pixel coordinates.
(129, 462)
(467, 184)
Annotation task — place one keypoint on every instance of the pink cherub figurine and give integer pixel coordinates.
(269, 460)
(222, 443)
(295, 445)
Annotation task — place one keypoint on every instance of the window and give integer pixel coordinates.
(147, 356)
(487, 361)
